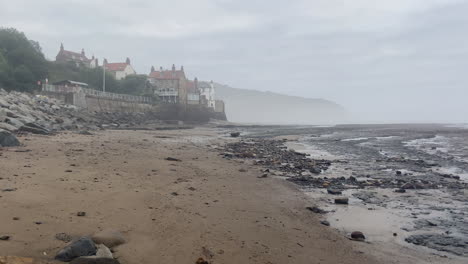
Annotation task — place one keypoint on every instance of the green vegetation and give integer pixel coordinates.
(22, 64)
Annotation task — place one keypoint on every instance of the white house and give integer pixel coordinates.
(119, 69)
(207, 93)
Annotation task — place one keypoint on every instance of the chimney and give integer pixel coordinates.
(61, 46)
(182, 68)
(82, 52)
(161, 69)
(127, 61)
(152, 68)
(92, 57)
(173, 67)
(196, 82)
(97, 62)
(105, 62)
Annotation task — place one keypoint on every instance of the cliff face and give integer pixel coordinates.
(249, 106)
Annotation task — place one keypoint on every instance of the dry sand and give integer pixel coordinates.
(170, 212)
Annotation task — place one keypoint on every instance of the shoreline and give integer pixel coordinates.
(176, 212)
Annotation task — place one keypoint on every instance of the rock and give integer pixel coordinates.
(316, 210)
(103, 252)
(7, 139)
(342, 200)
(172, 159)
(94, 260)
(34, 130)
(201, 261)
(8, 127)
(63, 237)
(398, 173)
(81, 247)
(264, 175)
(4, 238)
(357, 235)
(400, 191)
(334, 192)
(110, 238)
(325, 223)
(235, 134)
(81, 214)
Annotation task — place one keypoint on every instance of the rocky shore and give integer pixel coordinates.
(375, 173)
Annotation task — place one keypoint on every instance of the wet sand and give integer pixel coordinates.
(170, 212)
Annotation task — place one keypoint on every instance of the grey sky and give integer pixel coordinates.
(383, 60)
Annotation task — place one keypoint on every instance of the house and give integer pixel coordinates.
(120, 70)
(169, 85)
(207, 94)
(193, 94)
(79, 59)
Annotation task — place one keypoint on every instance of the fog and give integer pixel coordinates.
(383, 61)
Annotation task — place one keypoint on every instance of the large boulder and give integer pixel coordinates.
(81, 247)
(7, 139)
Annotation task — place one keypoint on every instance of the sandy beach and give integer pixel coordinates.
(169, 211)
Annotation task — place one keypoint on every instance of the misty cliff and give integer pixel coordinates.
(250, 106)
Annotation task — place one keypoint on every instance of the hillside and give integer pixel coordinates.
(250, 106)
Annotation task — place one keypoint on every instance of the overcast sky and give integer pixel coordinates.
(383, 60)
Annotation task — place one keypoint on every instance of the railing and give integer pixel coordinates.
(167, 93)
(91, 92)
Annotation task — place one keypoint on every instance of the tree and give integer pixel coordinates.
(24, 59)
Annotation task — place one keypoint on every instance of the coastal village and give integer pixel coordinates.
(166, 86)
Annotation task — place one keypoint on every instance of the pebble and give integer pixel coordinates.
(341, 200)
(358, 235)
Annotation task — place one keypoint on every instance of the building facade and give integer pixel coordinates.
(169, 85)
(120, 70)
(79, 59)
(207, 94)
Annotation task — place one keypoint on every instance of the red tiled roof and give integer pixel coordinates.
(118, 66)
(167, 74)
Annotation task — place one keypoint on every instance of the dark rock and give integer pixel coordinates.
(34, 129)
(357, 235)
(325, 223)
(201, 261)
(334, 191)
(235, 134)
(343, 200)
(7, 139)
(81, 247)
(4, 238)
(9, 190)
(400, 191)
(316, 210)
(454, 245)
(398, 173)
(172, 159)
(81, 214)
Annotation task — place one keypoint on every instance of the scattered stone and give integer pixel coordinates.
(9, 190)
(325, 223)
(63, 237)
(38, 223)
(316, 210)
(4, 238)
(81, 214)
(7, 139)
(343, 200)
(201, 261)
(400, 191)
(81, 247)
(85, 132)
(398, 172)
(235, 134)
(172, 159)
(357, 235)
(16, 218)
(264, 175)
(174, 193)
(334, 192)
(110, 238)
